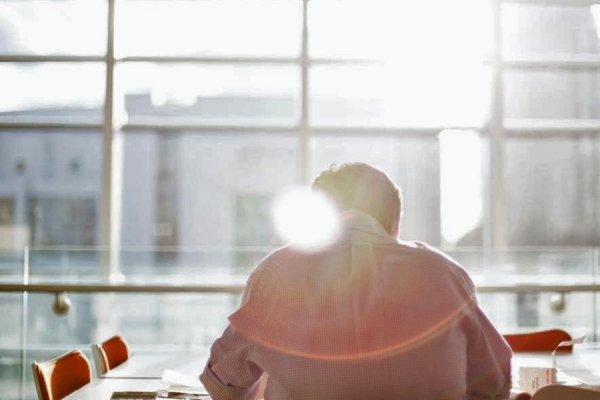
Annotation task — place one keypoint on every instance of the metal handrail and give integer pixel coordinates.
(235, 288)
(121, 288)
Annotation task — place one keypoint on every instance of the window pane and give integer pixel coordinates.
(530, 266)
(49, 189)
(53, 27)
(399, 95)
(544, 29)
(399, 30)
(208, 28)
(462, 164)
(10, 236)
(550, 265)
(10, 336)
(530, 311)
(55, 92)
(201, 190)
(558, 198)
(552, 94)
(413, 164)
(210, 94)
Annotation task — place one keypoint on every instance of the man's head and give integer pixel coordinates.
(358, 186)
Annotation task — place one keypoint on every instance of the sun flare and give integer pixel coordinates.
(307, 219)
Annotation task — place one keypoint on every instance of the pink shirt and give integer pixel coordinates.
(368, 318)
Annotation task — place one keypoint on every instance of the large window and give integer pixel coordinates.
(218, 74)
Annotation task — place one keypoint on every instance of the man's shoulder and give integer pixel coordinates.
(425, 253)
(417, 250)
(429, 257)
(289, 261)
(291, 254)
(280, 255)
(432, 253)
(281, 258)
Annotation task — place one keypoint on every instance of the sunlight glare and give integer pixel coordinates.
(461, 183)
(306, 218)
(595, 10)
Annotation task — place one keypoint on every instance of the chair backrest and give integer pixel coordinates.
(58, 378)
(110, 354)
(546, 340)
(564, 392)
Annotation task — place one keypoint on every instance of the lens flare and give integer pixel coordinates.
(306, 218)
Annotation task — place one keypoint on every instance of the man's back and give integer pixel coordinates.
(367, 318)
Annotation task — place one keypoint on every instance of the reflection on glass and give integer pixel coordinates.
(53, 27)
(208, 27)
(215, 94)
(54, 92)
(399, 95)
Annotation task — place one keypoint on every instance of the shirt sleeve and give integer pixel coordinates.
(229, 374)
(488, 360)
(488, 354)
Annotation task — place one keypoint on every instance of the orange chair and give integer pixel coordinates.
(110, 354)
(58, 378)
(546, 340)
(565, 392)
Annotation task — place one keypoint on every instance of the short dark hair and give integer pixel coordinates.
(359, 186)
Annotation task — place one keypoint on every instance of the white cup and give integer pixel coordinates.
(533, 378)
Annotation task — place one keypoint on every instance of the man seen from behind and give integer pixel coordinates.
(367, 317)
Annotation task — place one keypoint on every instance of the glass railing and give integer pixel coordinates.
(164, 299)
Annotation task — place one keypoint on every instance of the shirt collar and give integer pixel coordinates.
(362, 227)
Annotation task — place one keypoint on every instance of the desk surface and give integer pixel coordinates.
(152, 365)
(142, 372)
(102, 389)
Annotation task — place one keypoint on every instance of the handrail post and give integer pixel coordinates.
(595, 266)
(24, 306)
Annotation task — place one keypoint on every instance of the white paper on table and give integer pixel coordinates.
(578, 340)
(179, 382)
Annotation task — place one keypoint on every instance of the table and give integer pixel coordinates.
(142, 372)
(152, 365)
(102, 389)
